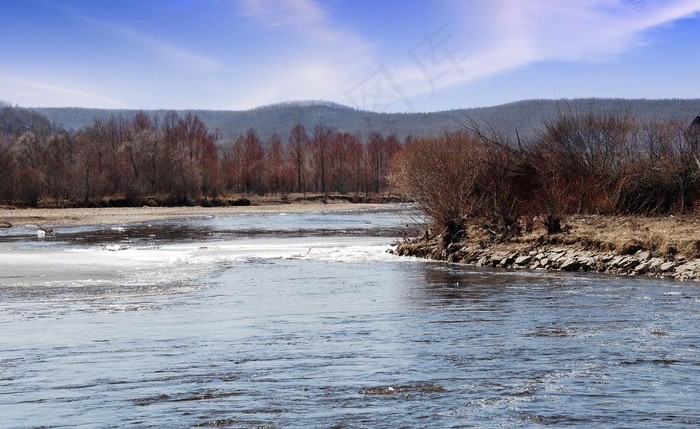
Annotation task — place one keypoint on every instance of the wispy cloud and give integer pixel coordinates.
(284, 12)
(78, 97)
(308, 19)
(183, 56)
(328, 56)
(480, 38)
(503, 35)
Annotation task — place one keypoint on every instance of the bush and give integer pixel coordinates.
(441, 175)
(588, 163)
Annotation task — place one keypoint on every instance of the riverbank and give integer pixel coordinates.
(52, 217)
(666, 247)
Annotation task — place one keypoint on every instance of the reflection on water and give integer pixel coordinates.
(333, 332)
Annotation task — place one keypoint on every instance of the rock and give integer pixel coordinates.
(667, 266)
(686, 271)
(556, 256)
(5, 225)
(618, 261)
(509, 259)
(642, 268)
(570, 264)
(523, 260)
(632, 263)
(625, 262)
(654, 264)
(587, 263)
(643, 256)
(607, 258)
(501, 259)
(687, 268)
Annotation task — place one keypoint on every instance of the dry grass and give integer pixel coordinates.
(663, 236)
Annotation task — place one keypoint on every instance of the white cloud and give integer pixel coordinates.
(324, 58)
(183, 56)
(496, 36)
(481, 38)
(35, 93)
(284, 12)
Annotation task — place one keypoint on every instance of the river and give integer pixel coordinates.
(305, 321)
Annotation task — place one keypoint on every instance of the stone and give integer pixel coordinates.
(556, 256)
(625, 262)
(586, 262)
(667, 266)
(523, 260)
(642, 268)
(571, 264)
(607, 258)
(616, 261)
(655, 263)
(5, 225)
(643, 256)
(683, 269)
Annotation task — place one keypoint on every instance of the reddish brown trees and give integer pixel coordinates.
(297, 148)
(277, 177)
(177, 159)
(441, 175)
(253, 161)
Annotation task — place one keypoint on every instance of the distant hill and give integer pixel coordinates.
(16, 120)
(522, 116)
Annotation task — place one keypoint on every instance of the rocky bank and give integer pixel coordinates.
(538, 256)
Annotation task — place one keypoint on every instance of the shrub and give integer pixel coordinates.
(441, 175)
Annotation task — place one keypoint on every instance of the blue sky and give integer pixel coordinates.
(394, 56)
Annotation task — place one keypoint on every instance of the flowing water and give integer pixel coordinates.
(305, 321)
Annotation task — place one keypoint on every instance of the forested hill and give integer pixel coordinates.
(522, 116)
(15, 120)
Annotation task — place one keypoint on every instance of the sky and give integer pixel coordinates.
(378, 55)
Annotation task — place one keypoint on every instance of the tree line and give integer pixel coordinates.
(613, 164)
(178, 160)
(593, 163)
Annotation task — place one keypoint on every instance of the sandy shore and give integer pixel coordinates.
(100, 216)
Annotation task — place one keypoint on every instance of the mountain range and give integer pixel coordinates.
(522, 117)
